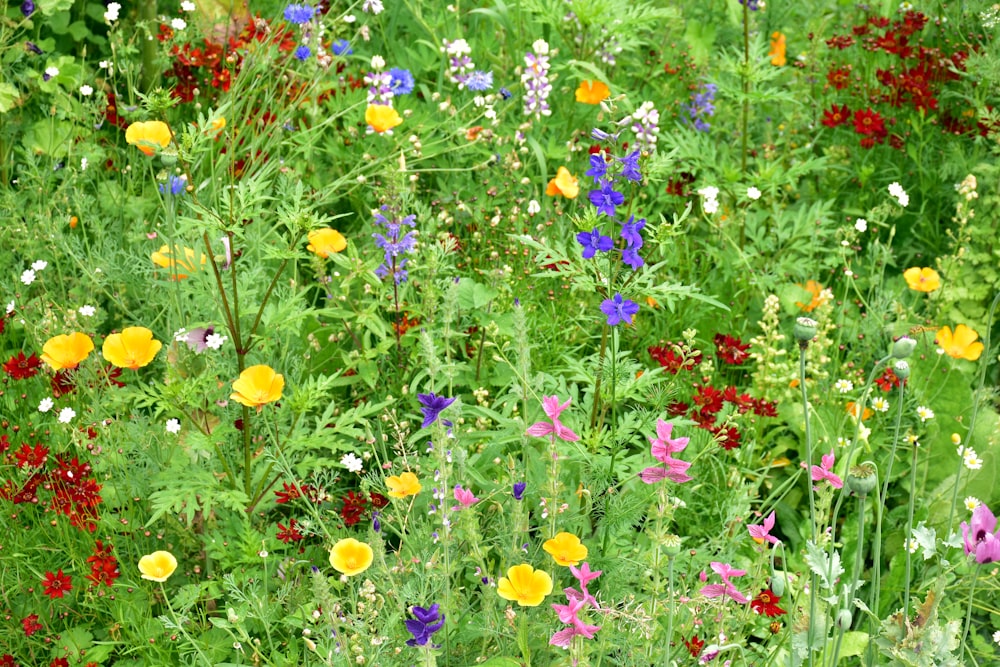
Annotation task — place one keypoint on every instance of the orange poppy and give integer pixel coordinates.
(592, 92)
(777, 52)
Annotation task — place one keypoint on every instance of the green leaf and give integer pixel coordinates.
(699, 38)
(49, 137)
(854, 643)
(50, 7)
(474, 295)
(8, 97)
(820, 564)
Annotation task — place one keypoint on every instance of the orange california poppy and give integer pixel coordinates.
(592, 92)
(148, 136)
(564, 184)
(382, 117)
(816, 290)
(258, 385)
(960, 344)
(922, 279)
(67, 350)
(777, 51)
(325, 242)
(133, 348)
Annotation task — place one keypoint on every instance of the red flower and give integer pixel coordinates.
(62, 382)
(743, 402)
(728, 437)
(32, 457)
(730, 350)
(840, 42)
(6, 660)
(694, 646)
(708, 398)
(21, 367)
(888, 380)
(4, 446)
(353, 509)
(289, 533)
(294, 492)
(766, 603)
(840, 77)
(675, 357)
(378, 500)
(763, 408)
(56, 585)
(103, 565)
(868, 122)
(59, 662)
(835, 116)
(30, 625)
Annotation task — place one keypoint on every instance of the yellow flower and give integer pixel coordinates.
(404, 485)
(350, 557)
(525, 585)
(258, 385)
(852, 409)
(325, 242)
(67, 351)
(592, 92)
(219, 124)
(777, 51)
(564, 184)
(816, 290)
(167, 258)
(133, 348)
(148, 136)
(961, 344)
(382, 117)
(566, 549)
(922, 280)
(157, 566)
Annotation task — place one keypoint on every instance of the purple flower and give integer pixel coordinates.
(751, 4)
(618, 309)
(426, 623)
(519, 488)
(176, 185)
(393, 246)
(702, 106)
(299, 14)
(982, 538)
(303, 52)
(432, 405)
(632, 231)
(630, 166)
(31, 46)
(27, 8)
(606, 198)
(401, 81)
(598, 168)
(593, 241)
(197, 339)
(630, 256)
(341, 47)
(479, 81)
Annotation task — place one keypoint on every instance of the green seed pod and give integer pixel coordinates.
(671, 545)
(901, 369)
(903, 347)
(168, 158)
(805, 329)
(862, 478)
(778, 583)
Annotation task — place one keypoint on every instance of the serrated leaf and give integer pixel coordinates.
(820, 564)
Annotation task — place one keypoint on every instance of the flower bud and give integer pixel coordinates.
(168, 158)
(901, 369)
(903, 347)
(862, 478)
(805, 329)
(27, 8)
(844, 619)
(671, 545)
(778, 583)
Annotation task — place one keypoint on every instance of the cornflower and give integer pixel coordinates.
(535, 80)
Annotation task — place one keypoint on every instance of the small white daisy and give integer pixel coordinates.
(880, 404)
(87, 311)
(352, 463)
(52, 72)
(972, 462)
(843, 442)
(188, 6)
(843, 386)
(66, 415)
(972, 503)
(215, 341)
(178, 24)
(46, 405)
(39, 265)
(753, 193)
(173, 426)
(912, 545)
(924, 413)
(86, 90)
(861, 225)
(28, 277)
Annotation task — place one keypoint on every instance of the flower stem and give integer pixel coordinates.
(909, 530)
(812, 501)
(190, 639)
(968, 610)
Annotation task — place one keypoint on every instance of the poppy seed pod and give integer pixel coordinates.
(844, 619)
(862, 478)
(805, 329)
(901, 369)
(903, 347)
(778, 583)
(671, 545)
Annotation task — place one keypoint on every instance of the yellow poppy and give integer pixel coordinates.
(777, 52)
(325, 242)
(219, 124)
(525, 585)
(852, 409)
(566, 549)
(258, 385)
(168, 258)
(564, 184)
(922, 280)
(961, 344)
(592, 92)
(816, 290)
(133, 348)
(382, 117)
(351, 557)
(403, 485)
(148, 136)
(67, 350)
(157, 566)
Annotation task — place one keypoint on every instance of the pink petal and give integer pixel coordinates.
(828, 460)
(713, 590)
(565, 433)
(769, 522)
(663, 429)
(564, 637)
(552, 408)
(540, 429)
(654, 474)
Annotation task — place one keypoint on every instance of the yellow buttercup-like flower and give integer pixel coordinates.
(592, 92)
(67, 350)
(325, 242)
(525, 585)
(960, 344)
(403, 485)
(566, 549)
(133, 348)
(351, 557)
(157, 566)
(170, 258)
(564, 184)
(257, 386)
(148, 136)
(382, 117)
(922, 280)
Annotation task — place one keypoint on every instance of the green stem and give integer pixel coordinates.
(855, 574)
(670, 599)
(180, 626)
(803, 346)
(968, 610)
(909, 530)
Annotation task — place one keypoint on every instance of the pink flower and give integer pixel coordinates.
(662, 447)
(821, 473)
(465, 497)
(762, 532)
(982, 537)
(726, 588)
(577, 601)
(552, 408)
(583, 573)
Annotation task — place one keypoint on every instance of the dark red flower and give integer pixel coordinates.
(694, 646)
(728, 437)
(32, 457)
(766, 603)
(289, 533)
(887, 381)
(7, 660)
(292, 492)
(59, 662)
(675, 357)
(103, 565)
(840, 42)
(378, 500)
(743, 402)
(353, 509)
(868, 122)
(4, 446)
(835, 116)
(677, 408)
(730, 350)
(764, 408)
(30, 625)
(56, 585)
(62, 382)
(707, 398)
(839, 77)
(21, 367)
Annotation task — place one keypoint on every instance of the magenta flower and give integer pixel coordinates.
(552, 408)
(576, 602)
(465, 497)
(662, 447)
(821, 473)
(762, 532)
(982, 538)
(726, 588)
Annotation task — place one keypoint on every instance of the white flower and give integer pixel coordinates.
(350, 18)
(880, 404)
(540, 47)
(864, 432)
(86, 90)
(352, 462)
(912, 545)
(972, 503)
(861, 225)
(178, 24)
(52, 71)
(111, 15)
(39, 265)
(104, 64)
(28, 277)
(710, 205)
(897, 191)
(753, 193)
(10, 307)
(87, 311)
(181, 335)
(215, 341)
(66, 415)
(373, 7)
(924, 413)
(996, 636)
(709, 192)
(378, 62)
(46, 405)
(972, 462)
(83, 164)
(534, 207)
(173, 426)
(843, 386)
(188, 6)
(843, 442)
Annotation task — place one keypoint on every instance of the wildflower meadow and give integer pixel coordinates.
(499, 333)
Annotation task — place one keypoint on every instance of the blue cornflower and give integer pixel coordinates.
(479, 81)
(606, 198)
(303, 52)
(630, 166)
(299, 14)
(341, 47)
(432, 405)
(593, 241)
(427, 622)
(618, 309)
(400, 81)
(598, 167)
(175, 186)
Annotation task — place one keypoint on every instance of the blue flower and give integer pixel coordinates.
(598, 168)
(427, 622)
(175, 186)
(299, 14)
(593, 241)
(632, 231)
(432, 406)
(27, 8)
(506, 94)
(619, 310)
(606, 199)
(341, 47)
(303, 52)
(400, 81)
(479, 81)
(630, 256)
(630, 166)
(519, 488)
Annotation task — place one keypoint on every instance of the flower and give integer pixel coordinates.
(167, 258)
(178, 23)
(479, 81)
(341, 47)
(302, 52)
(861, 225)
(896, 190)
(843, 386)
(56, 584)
(618, 309)
(67, 350)
(382, 118)
(525, 585)
(258, 385)
(45, 404)
(31, 625)
(753, 193)
(961, 344)
(606, 198)
(173, 426)
(401, 81)
(352, 463)
(823, 471)
(835, 116)
(28, 276)
(552, 408)
(564, 184)
(565, 549)
(157, 566)
(762, 533)
(777, 52)
(66, 415)
(21, 367)
(426, 623)
(730, 350)
(922, 280)
(852, 409)
(349, 556)
(111, 13)
(325, 242)
(39, 265)
(215, 341)
(465, 497)
(87, 311)
(766, 603)
(662, 446)
(869, 122)
(982, 538)
(432, 405)
(148, 136)
(518, 490)
(401, 486)
(726, 588)
(819, 296)
(593, 242)
(299, 14)
(592, 92)
(971, 503)
(133, 348)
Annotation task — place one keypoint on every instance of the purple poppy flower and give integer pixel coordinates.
(982, 538)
